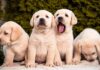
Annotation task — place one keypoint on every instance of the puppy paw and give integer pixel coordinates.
(50, 64)
(58, 63)
(30, 65)
(76, 61)
(69, 63)
(7, 65)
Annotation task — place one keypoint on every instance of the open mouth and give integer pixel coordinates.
(61, 27)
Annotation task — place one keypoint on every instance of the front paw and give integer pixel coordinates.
(7, 64)
(58, 63)
(69, 63)
(76, 61)
(30, 65)
(49, 64)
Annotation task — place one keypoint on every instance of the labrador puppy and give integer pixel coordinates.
(42, 42)
(65, 20)
(87, 43)
(15, 41)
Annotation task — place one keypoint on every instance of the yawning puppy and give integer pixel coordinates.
(87, 43)
(65, 19)
(15, 41)
(42, 43)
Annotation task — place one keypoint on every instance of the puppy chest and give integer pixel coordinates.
(62, 50)
(41, 53)
(62, 47)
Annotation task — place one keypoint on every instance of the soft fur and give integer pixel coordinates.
(42, 42)
(87, 43)
(65, 19)
(15, 41)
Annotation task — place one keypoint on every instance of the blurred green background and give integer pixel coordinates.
(87, 12)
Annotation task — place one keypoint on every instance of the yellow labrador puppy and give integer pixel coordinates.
(15, 41)
(65, 19)
(42, 42)
(87, 43)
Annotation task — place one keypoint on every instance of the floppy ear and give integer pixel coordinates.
(53, 24)
(73, 19)
(77, 49)
(15, 34)
(97, 46)
(31, 21)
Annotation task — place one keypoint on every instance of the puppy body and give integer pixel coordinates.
(88, 44)
(15, 41)
(65, 19)
(65, 46)
(42, 43)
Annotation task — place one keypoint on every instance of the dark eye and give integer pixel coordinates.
(66, 15)
(93, 53)
(47, 16)
(5, 33)
(37, 16)
(86, 54)
(57, 14)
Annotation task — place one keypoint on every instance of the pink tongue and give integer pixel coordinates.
(61, 28)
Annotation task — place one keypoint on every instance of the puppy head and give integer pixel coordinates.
(42, 19)
(9, 32)
(89, 51)
(65, 19)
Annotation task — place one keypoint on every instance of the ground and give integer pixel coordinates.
(84, 65)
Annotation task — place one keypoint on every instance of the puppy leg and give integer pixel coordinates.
(26, 58)
(50, 56)
(69, 54)
(9, 57)
(77, 55)
(31, 56)
(57, 60)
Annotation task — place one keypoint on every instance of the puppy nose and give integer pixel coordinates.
(91, 60)
(42, 21)
(60, 18)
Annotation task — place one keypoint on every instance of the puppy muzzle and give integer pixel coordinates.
(60, 26)
(60, 19)
(91, 60)
(42, 22)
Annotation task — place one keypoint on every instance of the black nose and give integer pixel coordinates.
(60, 18)
(91, 60)
(41, 21)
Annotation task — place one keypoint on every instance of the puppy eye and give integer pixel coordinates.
(47, 16)
(37, 16)
(66, 15)
(57, 14)
(93, 53)
(5, 33)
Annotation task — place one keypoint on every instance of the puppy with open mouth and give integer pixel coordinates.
(87, 43)
(42, 43)
(65, 19)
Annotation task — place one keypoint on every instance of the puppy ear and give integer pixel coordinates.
(15, 34)
(73, 19)
(97, 46)
(53, 24)
(32, 21)
(78, 49)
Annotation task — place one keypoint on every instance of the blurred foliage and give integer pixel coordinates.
(87, 11)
